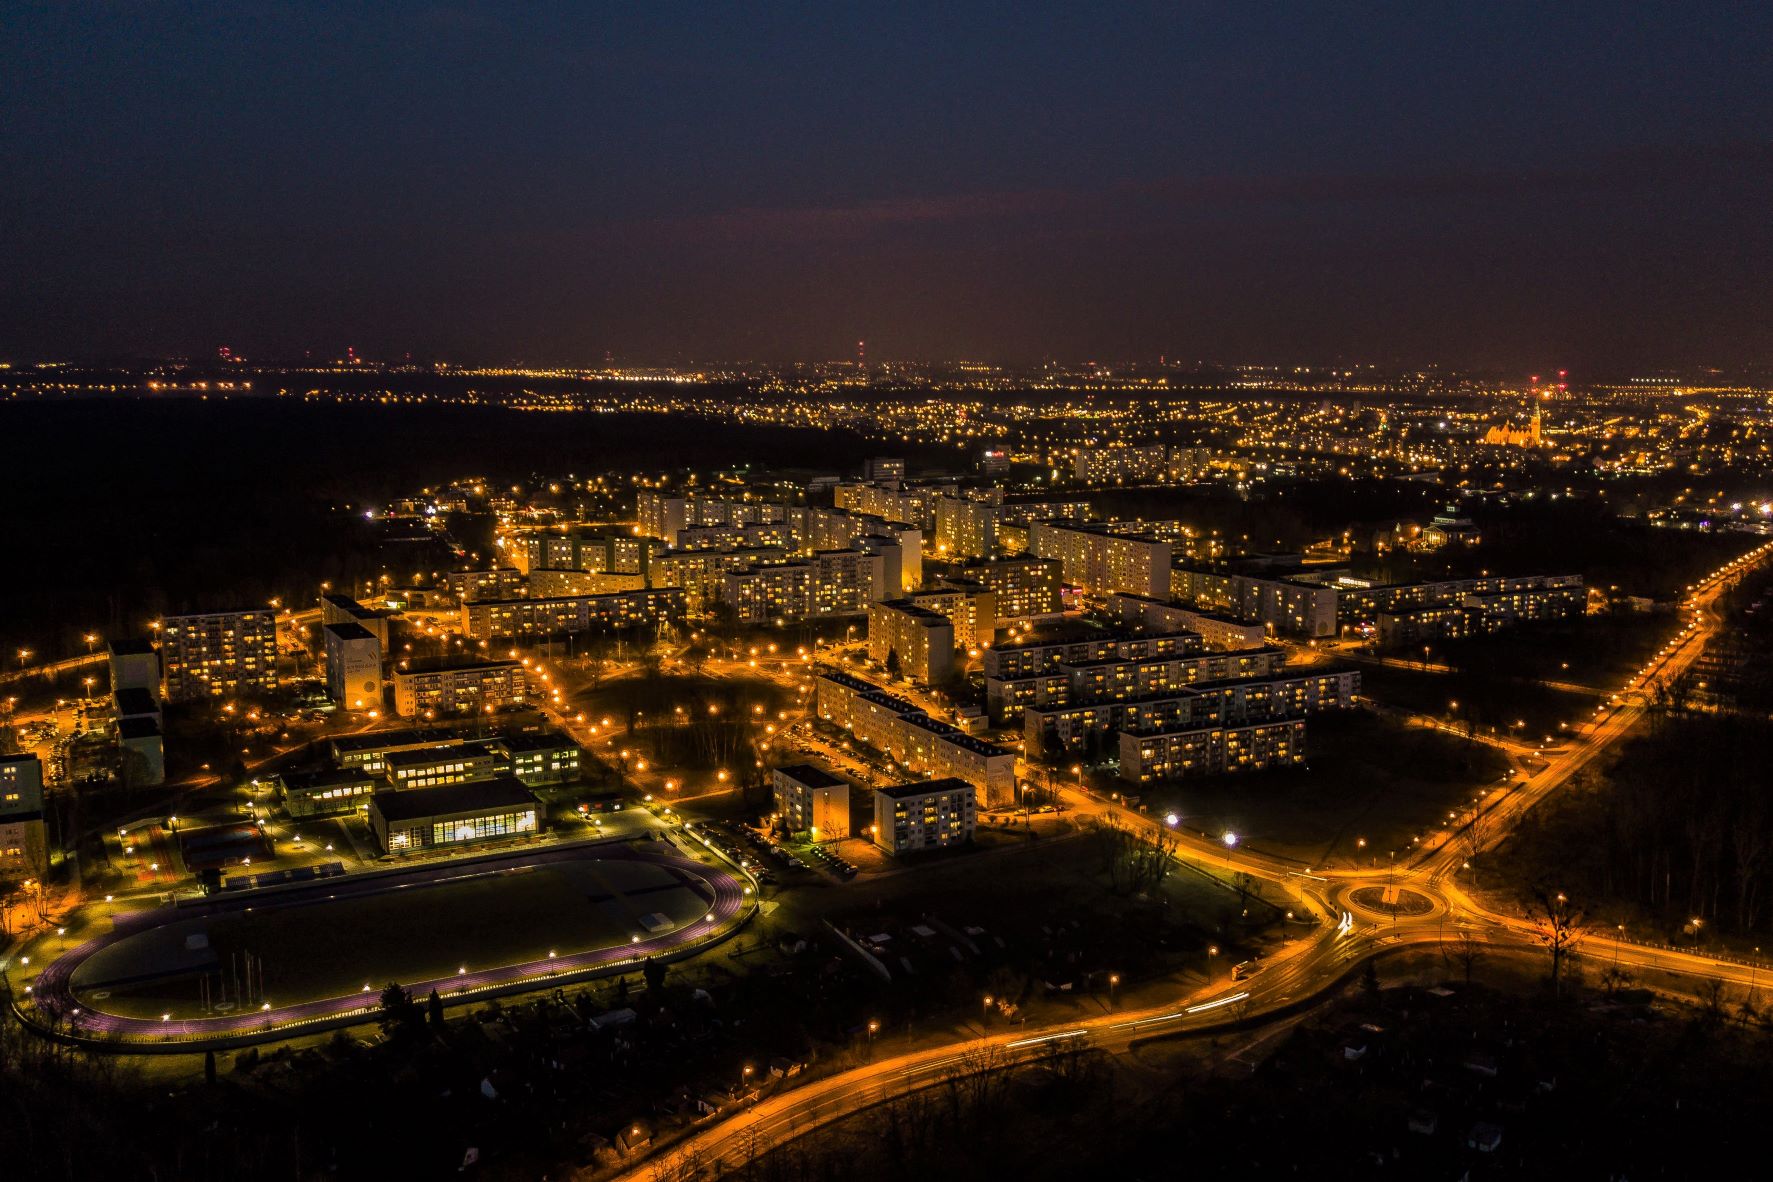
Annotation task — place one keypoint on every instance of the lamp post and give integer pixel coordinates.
(985, 1011)
(1113, 990)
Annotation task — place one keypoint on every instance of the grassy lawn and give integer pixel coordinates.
(1491, 704)
(1367, 776)
(1597, 651)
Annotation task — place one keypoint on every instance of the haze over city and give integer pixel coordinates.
(1510, 186)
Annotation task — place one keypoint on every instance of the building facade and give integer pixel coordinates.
(460, 814)
(1102, 561)
(912, 641)
(1171, 754)
(811, 800)
(436, 689)
(219, 654)
(353, 666)
(499, 619)
(930, 814)
(24, 851)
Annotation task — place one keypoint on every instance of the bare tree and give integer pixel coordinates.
(1557, 924)
(1466, 951)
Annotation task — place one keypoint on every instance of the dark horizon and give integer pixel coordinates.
(1506, 189)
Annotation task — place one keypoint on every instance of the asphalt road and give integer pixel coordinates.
(1345, 935)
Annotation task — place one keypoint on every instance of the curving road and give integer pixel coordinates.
(1346, 935)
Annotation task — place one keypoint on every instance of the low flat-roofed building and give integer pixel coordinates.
(929, 814)
(434, 767)
(459, 814)
(545, 757)
(809, 799)
(370, 751)
(324, 792)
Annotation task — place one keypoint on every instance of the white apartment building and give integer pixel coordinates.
(929, 814)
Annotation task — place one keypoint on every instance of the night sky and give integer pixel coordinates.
(1517, 186)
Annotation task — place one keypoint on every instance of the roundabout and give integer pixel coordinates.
(272, 963)
(1390, 902)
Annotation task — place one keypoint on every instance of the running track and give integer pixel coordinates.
(723, 893)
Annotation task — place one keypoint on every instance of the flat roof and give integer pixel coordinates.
(308, 779)
(812, 777)
(131, 647)
(412, 804)
(137, 728)
(547, 740)
(419, 756)
(455, 664)
(350, 630)
(954, 735)
(407, 737)
(922, 788)
(849, 681)
(134, 699)
(601, 596)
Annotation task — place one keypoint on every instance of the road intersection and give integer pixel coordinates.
(1347, 933)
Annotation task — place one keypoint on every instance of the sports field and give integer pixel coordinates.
(321, 947)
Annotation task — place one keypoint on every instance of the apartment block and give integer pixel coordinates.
(1290, 607)
(565, 614)
(24, 851)
(929, 814)
(1025, 588)
(446, 687)
(472, 586)
(134, 665)
(1218, 631)
(1121, 465)
(1147, 757)
(811, 800)
(342, 609)
(1102, 561)
(902, 730)
(353, 666)
(966, 528)
(219, 654)
(830, 583)
(917, 642)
